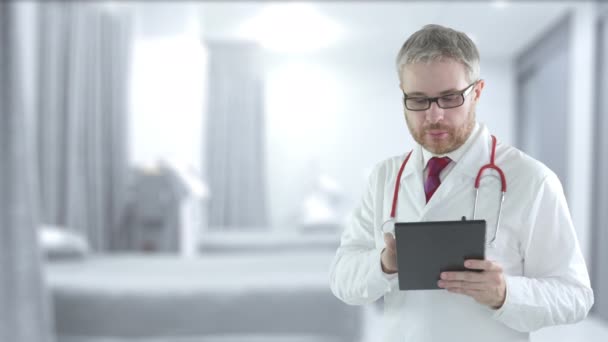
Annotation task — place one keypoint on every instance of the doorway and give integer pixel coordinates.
(599, 272)
(542, 99)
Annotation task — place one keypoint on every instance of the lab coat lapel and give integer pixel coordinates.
(462, 177)
(411, 190)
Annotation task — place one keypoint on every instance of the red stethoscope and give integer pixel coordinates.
(389, 225)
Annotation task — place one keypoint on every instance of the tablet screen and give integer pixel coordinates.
(425, 249)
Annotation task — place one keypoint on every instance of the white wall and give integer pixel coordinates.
(340, 113)
(582, 57)
(167, 86)
(497, 105)
(342, 116)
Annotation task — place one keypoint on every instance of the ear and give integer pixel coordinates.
(478, 88)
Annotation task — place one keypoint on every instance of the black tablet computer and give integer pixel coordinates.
(425, 249)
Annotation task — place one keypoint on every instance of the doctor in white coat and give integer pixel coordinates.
(534, 274)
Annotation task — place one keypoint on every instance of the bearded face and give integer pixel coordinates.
(440, 130)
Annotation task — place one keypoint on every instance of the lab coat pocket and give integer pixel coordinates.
(506, 250)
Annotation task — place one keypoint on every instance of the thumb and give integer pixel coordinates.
(390, 242)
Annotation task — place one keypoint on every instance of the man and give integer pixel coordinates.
(534, 274)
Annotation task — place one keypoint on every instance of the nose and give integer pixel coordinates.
(434, 114)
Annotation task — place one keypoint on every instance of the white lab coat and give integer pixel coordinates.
(546, 276)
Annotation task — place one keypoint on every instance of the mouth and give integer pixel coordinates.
(437, 134)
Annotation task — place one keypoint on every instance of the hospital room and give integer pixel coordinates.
(180, 171)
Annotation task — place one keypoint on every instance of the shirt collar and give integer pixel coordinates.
(455, 155)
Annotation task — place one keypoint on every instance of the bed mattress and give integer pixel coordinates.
(211, 295)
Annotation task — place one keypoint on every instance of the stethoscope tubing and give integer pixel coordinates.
(490, 166)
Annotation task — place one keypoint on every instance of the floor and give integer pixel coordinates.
(591, 329)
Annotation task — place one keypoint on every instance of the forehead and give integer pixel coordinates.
(433, 78)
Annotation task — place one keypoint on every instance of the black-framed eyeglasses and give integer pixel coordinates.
(453, 100)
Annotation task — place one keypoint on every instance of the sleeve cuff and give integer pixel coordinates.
(378, 279)
(518, 312)
(515, 298)
(508, 300)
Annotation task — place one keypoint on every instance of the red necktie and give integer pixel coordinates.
(432, 182)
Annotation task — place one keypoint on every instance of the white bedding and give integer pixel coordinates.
(284, 294)
(262, 242)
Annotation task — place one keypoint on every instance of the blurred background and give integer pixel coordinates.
(182, 171)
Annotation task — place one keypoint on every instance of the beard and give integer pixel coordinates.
(457, 136)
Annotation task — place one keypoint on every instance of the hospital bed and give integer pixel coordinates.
(220, 297)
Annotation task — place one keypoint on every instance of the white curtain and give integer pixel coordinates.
(25, 313)
(235, 161)
(84, 54)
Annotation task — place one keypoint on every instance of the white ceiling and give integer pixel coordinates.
(499, 31)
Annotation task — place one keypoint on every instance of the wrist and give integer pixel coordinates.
(502, 300)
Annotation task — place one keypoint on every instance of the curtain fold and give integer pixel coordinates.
(83, 87)
(25, 314)
(235, 161)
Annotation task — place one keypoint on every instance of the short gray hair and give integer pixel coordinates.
(437, 43)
